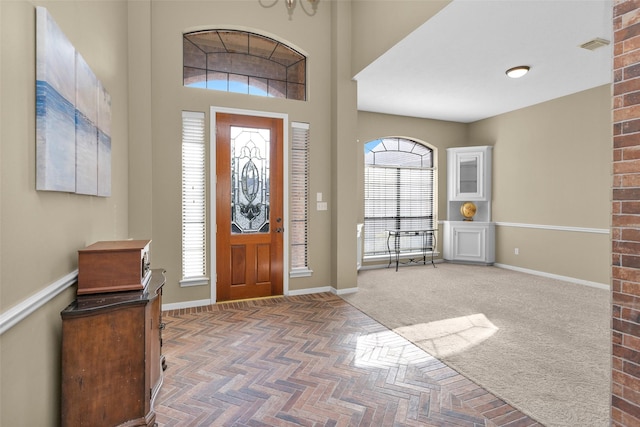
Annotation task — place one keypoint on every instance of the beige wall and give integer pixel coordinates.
(552, 167)
(372, 31)
(42, 231)
(343, 151)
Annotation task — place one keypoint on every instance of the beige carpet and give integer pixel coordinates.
(540, 344)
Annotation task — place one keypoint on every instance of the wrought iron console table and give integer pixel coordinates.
(428, 243)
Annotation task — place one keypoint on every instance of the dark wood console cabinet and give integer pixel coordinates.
(112, 362)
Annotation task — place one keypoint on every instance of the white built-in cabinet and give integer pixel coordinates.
(469, 180)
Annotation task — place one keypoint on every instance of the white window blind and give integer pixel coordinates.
(299, 198)
(399, 193)
(193, 196)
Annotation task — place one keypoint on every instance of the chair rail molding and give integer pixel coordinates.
(554, 227)
(20, 311)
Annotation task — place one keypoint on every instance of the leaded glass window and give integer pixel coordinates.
(249, 180)
(243, 62)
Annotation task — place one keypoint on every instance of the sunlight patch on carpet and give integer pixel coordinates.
(447, 337)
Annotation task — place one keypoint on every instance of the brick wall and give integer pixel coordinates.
(625, 392)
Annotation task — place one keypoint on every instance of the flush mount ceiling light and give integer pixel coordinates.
(517, 72)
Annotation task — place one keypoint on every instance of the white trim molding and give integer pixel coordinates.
(344, 291)
(308, 291)
(555, 276)
(554, 227)
(322, 289)
(194, 281)
(187, 304)
(300, 272)
(20, 311)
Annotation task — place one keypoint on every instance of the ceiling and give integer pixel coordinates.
(453, 66)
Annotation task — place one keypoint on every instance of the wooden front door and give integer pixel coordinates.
(249, 211)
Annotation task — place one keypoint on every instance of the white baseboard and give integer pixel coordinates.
(186, 304)
(555, 276)
(15, 314)
(344, 291)
(310, 291)
(323, 289)
(204, 302)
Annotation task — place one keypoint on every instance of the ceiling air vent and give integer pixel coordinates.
(595, 44)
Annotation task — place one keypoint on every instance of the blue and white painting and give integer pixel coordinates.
(104, 142)
(73, 117)
(55, 107)
(86, 129)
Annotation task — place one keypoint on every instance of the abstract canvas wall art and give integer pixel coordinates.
(86, 129)
(104, 142)
(55, 111)
(73, 117)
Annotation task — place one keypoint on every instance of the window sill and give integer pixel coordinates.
(300, 272)
(194, 281)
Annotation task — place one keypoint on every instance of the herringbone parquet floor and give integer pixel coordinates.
(310, 360)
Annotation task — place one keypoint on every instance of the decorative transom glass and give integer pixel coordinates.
(249, 180)
(243, 62)
(398, 152)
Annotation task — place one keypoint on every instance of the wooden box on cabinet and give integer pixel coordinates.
(109, 266)
(112, 360)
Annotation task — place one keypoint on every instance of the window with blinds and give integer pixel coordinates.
(193, 199)
(399, 194)
(299, 199)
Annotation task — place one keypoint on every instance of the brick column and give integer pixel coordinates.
(625, 374)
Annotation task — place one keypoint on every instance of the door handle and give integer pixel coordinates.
(279, 230)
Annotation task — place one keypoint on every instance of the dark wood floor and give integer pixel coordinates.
(310, 360)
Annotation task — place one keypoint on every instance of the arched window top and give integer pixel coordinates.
(243, 62)
(400, 152)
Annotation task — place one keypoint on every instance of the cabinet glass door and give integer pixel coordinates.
(468, 176)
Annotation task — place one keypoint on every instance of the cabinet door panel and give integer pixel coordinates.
(469, 243)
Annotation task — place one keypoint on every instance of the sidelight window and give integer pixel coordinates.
(193, 199)
(299, 200)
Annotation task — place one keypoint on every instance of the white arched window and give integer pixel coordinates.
(399, 192)
(243, 62)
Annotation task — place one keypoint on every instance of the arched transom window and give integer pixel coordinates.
(243, 62)
(398, 192)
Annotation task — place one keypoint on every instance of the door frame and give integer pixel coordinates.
(213, 110)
